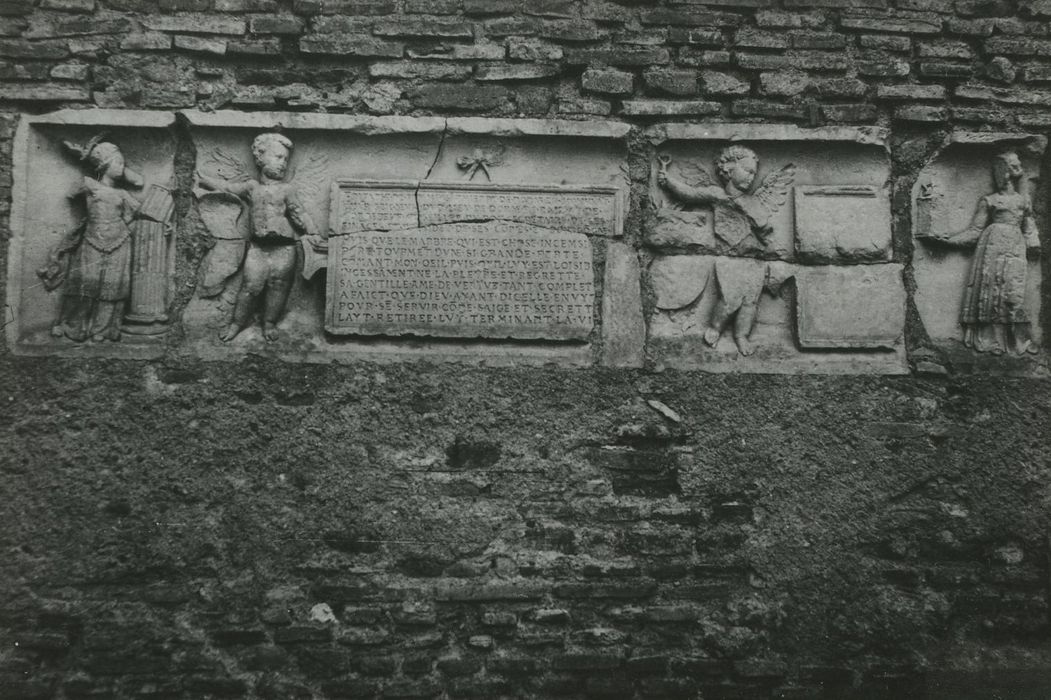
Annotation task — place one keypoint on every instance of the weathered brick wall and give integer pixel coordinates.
(974, 61)
(187, 529)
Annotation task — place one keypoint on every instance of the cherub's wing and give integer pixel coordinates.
(307, 173)
(773, 193)
(226, 219)
(227, 166)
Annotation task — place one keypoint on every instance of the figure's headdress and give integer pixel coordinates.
(98, 153)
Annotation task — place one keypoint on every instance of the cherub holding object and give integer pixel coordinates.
(742, 223)
(277, 219)
(1003, 234)
(93, 261)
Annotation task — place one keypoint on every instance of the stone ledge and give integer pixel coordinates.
(411, 125)
(723, 131)
(538, 127)
(147, 119)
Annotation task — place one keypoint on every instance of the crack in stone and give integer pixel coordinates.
(434, 163)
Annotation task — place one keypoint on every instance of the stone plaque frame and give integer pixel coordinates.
(35, 226)
(431, 203)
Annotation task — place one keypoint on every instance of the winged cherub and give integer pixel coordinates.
(277, 219)
(742, 223)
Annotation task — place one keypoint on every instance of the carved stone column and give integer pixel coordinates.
(148, 305)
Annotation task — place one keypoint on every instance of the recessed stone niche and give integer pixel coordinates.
(977, 209)
(333, 238)
(769, 249)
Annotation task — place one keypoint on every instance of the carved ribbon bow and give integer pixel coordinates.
(480, 159)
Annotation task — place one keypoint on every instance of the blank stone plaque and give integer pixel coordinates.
(497, 279)
(842, 223)
(857, 306)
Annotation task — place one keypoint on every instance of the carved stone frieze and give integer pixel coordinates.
(89, 262)
(472, 239)
(977, 254)
(781, 261)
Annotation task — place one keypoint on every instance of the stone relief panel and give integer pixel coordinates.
(771, 251)
(90, 260)
(977, 253)
(391, 238)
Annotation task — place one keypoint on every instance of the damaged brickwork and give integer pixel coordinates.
(179, 528)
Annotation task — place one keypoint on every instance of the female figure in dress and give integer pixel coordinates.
(93, 262)
(1003, 233)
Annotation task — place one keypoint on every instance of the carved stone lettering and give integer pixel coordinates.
(848, 223)
(591, 210)
(493, 280)
(377, 206)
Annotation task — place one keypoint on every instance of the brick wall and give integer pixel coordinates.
(185, 529)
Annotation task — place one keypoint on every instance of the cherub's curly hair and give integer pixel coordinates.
(729, 156)
(263, 141)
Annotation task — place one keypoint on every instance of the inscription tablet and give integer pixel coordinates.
(591, 210)
(375, 206)
(497, 279)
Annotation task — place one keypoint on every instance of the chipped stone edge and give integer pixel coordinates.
(538, 127)
(992, 137)
(141, 118)
(370, 126)
(19, 196)
(407, 125)
(867, 135)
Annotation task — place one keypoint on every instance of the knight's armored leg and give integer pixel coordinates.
(743, 326)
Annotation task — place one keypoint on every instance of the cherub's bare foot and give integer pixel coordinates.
(229, 333)
(269, 331)
(745, 346)
(711, 336)
(58, 330)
